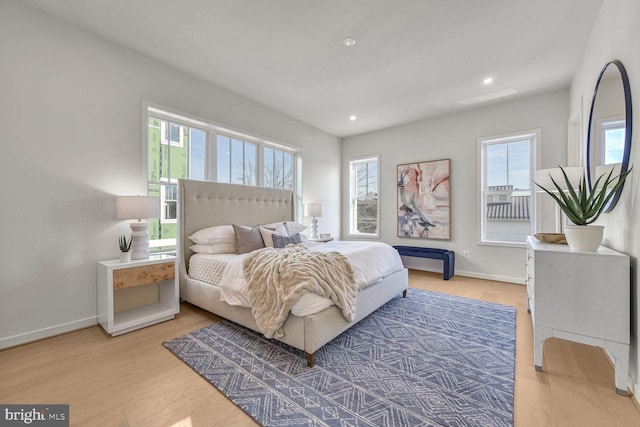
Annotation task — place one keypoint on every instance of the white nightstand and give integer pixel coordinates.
(321, 239)
(115, 276)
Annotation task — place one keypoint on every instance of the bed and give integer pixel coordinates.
(205, 204)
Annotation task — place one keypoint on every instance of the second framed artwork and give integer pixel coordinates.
(424, 200)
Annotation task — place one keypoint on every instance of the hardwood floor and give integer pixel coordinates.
(131, 380)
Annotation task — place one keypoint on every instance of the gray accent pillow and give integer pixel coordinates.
(248, 238)
(280, 241)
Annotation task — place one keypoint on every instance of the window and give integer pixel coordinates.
(174, 151)
(180, 147)
(236, 160)
(278, 169)
(613, 136)
(507, 167)
(364, 210)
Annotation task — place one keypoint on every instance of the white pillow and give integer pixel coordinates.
(267, 236)
(288, 228)
(214, 235)
(294, 227)
(278, 227)
(217, 248)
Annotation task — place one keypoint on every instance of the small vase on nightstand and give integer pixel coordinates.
(125, 256)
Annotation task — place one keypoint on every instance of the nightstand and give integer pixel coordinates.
(321, 239)
(156, 273)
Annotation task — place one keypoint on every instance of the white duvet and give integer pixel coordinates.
(371, 262)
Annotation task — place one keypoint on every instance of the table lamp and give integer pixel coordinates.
(313, 210)
(138, 207)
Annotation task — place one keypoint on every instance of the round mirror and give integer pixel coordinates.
(609, 136)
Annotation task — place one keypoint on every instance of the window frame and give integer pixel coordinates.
(245, 141)
(353, 196)
(212, 130)
(535, 136)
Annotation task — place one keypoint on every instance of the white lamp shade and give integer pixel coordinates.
(574, 173)
(137, 207)
(313, 210)
(603, 170)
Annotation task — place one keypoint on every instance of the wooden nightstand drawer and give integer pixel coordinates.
(135, 276)
(120, 292)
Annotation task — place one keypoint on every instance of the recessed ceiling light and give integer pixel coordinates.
(349, 41)
(353, 118)
(488, 80)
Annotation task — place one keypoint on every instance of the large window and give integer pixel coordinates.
(364, 211)
(180, 147)
(507, 200)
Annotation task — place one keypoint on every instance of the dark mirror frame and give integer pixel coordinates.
(627, 135)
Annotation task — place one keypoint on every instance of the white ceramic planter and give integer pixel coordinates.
(584, 237)
(125, 256)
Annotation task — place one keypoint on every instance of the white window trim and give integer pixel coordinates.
(164, 140)
(534, 160)
(352, 197)
(260, 145)
(163, 199)
(213, 128)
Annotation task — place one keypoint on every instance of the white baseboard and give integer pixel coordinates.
(39, 334)
(494, 277)
(435, 266)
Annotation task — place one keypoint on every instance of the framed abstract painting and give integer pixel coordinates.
(424, 200)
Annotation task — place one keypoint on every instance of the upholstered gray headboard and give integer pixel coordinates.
(204, 204)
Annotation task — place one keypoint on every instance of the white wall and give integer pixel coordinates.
(455, 137)
(70, 123)
(615, 35)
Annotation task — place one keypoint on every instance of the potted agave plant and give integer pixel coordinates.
(125, 246)
(584, 205)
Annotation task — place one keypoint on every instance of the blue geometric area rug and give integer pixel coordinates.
(426, 360)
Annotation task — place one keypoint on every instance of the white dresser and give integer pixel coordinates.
(582, 297)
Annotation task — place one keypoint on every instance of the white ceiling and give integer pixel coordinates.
(413, 58)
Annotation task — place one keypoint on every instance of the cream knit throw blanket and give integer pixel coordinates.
(276, 279)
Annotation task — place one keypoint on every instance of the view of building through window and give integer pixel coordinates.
(364, 209)
(176, 150)
(507, 196)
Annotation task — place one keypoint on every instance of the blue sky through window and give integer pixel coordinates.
(508, 164)
(197, 154)
(614, 144)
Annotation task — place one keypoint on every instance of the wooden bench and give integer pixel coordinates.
(449, 257)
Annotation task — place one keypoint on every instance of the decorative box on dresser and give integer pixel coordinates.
(582, 297)
(157, 272)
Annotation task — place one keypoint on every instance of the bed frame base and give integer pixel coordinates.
(311, 359)
(308, 333)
